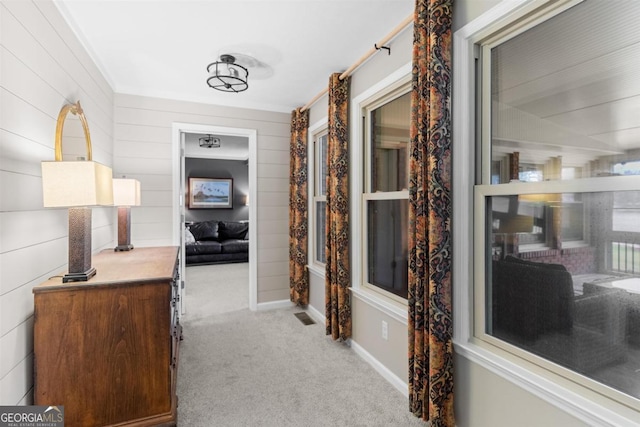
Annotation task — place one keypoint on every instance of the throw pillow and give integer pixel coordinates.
(188, 237)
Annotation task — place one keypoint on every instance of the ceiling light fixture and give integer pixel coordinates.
(227, 76)
(209, 141)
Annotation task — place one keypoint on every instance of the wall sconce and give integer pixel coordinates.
(76, 185)
(126, 193)
(246, 200)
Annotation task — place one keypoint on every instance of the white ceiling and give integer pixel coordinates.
(161, 48)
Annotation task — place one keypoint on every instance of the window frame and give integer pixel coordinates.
(382, 98)
(392, 308)
(579, 398)
(315, 131)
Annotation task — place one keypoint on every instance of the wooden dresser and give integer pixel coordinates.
(107, 349)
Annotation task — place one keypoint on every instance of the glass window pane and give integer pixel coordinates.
(321, 175)
(560, 105)
(387, 259)
(321, 216)
(577, 307)
(390, 150)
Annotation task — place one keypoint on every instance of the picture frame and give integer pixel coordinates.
(210, 193)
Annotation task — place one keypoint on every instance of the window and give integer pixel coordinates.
(557, 197)
(319, 197)
(386, 195)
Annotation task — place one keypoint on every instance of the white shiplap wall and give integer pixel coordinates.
(42, 67)
(143, 150)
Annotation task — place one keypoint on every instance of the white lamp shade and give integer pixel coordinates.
(83, 183)
(126, 192)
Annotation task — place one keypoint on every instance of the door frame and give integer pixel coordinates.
(178, 200)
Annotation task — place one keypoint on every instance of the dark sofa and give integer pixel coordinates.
(534, 307)
(212, 242)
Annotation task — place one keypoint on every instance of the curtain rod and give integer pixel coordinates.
(370, 52)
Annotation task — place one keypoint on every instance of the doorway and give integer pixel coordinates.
(179, 135)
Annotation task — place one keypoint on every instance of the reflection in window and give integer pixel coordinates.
(388, 248)
(390, 132)
(562, 270)
(320, 197)
(385, 198)
(566, 305)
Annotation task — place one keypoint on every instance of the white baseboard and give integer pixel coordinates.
(395, 381)
(316, 315)
(273, 305)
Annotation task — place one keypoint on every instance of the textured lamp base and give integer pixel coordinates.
(79, 277)
(80, 269)
(124, 229)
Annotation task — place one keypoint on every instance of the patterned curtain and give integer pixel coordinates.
(337, 277)
(430, 317)
(298, 276)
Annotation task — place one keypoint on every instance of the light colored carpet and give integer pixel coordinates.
(216, 289)
(243, 368)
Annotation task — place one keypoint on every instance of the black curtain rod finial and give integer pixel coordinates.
(382, 47)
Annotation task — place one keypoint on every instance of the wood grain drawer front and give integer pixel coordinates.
(104, 353)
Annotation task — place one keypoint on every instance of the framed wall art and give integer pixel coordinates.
(210, 193)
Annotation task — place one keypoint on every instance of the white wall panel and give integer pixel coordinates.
(21, 155)
(155, 198)
(20, 192)
(42, 226)
(143, 149)
(274, 198)
(19, 266)
(274, 212)
(275, 226)
(147, 166)
(269, 240)
(266, 269)
(276, 157)
(274, 255)
(17, 383)
(139, 133)
(277, 185)
(16, 346)
(20, 118)
(43, 67)
(275, 295)
(272, 171)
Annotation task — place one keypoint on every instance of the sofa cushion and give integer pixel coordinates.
(232, 230)
(235, 246)
(205, 247)
(205, 230)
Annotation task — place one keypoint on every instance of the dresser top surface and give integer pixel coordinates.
(140, 265)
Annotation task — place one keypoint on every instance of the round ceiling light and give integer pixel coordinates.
(227, 76)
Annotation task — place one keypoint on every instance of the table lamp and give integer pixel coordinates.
(76, 185)
(126, 193)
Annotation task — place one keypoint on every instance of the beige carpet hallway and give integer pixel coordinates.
(243, 368)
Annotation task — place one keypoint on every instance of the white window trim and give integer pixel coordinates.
(383, 303)
(583, 404)
(313, 131)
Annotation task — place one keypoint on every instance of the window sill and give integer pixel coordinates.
(316, 269)
(391, 309)
(552, 392)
